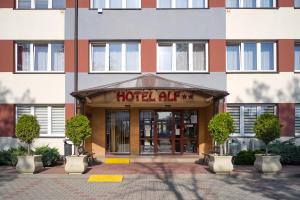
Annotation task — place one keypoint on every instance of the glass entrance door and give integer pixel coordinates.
(117, 132)
(164, 132)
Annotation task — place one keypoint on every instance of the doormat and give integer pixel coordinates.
(105, 179)
(117, 161)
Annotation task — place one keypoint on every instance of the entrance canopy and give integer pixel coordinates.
(149, 90)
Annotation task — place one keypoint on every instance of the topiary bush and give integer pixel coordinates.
(246, 157)
(78, 129)
(267, 128)
(50, 156)
(27, 130)
(220, 127)
(289, 152)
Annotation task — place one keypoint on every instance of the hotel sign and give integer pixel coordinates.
(153, 96)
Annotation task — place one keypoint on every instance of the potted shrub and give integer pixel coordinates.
(267, 129)
(220, 127)
(77, 130)
(27, 130)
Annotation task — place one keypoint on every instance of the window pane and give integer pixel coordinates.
(58, 120)
(58, 4)
(181, 3)
(266, 3)
(132, 57)
(24, 4)
(41, 114)
(250, 114)
(249, 3)
(164, 3)
(198, 3)
(233, 57)
(232, 3)
(98, 58)
(98, 3)
(182, 57)
(297, 3)
(23, 110)
(41, 3)
(297, 57)
(133, 4)
(41, 57)
(57, 57)
(297, 119)
(115, 4)
(199, 57)
(23, 54)
(267, 56)
(115, 57)
(234, 111)
(165, 57)
(250, 56)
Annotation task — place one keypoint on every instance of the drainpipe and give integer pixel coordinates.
(76, 54)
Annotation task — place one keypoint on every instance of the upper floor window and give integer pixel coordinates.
(115, 57)
(117, 4)
(297, 3)
(182, 57)
(40, 57)
(40, 4)
(251, 56)
(51, 118)
(182, 4)
(297, 57)
(250, 3)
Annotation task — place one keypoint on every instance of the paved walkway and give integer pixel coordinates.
(164, 182)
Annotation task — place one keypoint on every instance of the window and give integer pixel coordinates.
(244, 116)
(297, 120)
(251, 3)
(251, 56)
(182, 57)
(297, 3)
(40, 4)
(297, 57)
(115, 4)
(40, 57)
(115, 57)
(182, 4)
(51, 118)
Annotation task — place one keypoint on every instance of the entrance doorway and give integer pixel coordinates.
(168, 132)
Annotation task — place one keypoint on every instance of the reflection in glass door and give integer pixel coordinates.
(164, 124)
(117, 132)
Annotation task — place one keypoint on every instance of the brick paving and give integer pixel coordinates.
(154, 181)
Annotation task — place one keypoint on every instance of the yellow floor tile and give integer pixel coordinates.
(105, 178)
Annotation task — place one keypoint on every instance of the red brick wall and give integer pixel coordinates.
(7, 3)
(148, 3)
(148, 55)
(69, 55)
(216, 3)
(286, 55)
(69, 108)
(286, 113)
(81, 3)
(83, 56)
(285, 3)
(217, 55)
(6, 55)
(7, 120)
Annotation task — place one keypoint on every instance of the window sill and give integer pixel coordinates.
(183, 72)
(182, 8)
(117, 72)
(115, 9)
(272, 8)
(242, 135)
(39, 8)
(20, 72)
(251, 72)
(52, 136)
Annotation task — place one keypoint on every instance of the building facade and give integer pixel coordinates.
(149, 74)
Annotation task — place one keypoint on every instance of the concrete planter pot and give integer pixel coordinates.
(76, 164)
(220, 164)
(267, 163)
(29, 164)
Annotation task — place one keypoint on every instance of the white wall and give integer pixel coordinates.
(282, 23)
(32, 88)
(263, 88)
(32, 24)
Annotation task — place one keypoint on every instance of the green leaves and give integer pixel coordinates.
(78, 129)
(220, 127)
(27, 128)
(267, 128)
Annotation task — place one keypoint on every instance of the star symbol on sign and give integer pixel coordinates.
(184, 96)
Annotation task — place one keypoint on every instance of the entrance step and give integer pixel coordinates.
(117, 161)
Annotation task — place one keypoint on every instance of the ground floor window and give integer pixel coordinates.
(118, 132)
(168, 132)
(244, 116)
(297, 120)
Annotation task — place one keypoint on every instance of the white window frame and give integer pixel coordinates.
(33, 4)
(106, 44)
(258, 57)
(107, 5)
(242, 108)
(32, 52)
(190, 57)
(296, 70)
(190, 4)
(49, 115)
(258, 5)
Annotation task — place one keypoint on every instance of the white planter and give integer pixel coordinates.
(29, 164)
(220, 164)
(267, 163)
(76, 164)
